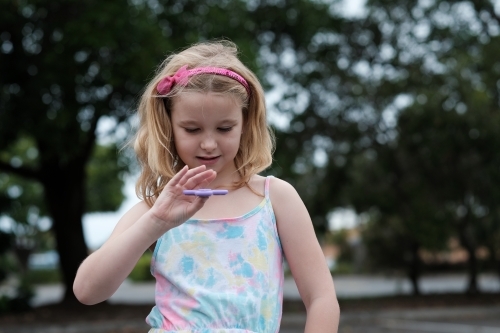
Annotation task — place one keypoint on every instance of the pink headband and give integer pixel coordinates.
(182, 75)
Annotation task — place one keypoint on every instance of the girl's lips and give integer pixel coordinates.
(208, 160)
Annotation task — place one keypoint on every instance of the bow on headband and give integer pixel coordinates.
(181, 77)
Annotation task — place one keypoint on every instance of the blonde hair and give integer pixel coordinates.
(154, 144)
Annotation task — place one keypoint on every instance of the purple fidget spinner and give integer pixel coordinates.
(205, 192)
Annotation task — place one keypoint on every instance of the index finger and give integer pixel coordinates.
(196, 180)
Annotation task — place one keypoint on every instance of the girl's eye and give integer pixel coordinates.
(191, 130)
(225, 129)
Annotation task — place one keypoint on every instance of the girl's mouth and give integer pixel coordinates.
(208, 160)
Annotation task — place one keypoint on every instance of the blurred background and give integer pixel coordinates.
(386, 115)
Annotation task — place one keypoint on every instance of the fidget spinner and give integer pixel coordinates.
(205, 192)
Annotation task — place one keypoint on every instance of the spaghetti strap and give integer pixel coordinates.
(266, 188)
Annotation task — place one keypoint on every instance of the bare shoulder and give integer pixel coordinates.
(288, 207)
(278, 188)
(282, 193)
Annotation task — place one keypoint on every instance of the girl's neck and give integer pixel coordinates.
(226, 179)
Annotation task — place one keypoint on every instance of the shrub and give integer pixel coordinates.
(141, 271)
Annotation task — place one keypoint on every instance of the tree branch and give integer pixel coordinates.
(21, 171)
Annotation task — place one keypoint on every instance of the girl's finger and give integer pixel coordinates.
(195, 172)
(195, 181)
(191, 173)
(178, 176)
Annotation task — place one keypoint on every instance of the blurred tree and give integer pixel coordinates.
(402, 210)
(105, 171)
(65, 66)
(349, 88)
(437, 138)
(25, 201)
(19, 296)
(457, 157)
(299, 56)
(447, 52)
(24, 205)
(13, 300)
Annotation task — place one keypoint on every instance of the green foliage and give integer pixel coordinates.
(105, 173)
(142, 270)
(340, 239)
(5, 244)
(343, 268)
(396, 114)
(65, 66)
(22, 294)
(18, 303)
(43, 276)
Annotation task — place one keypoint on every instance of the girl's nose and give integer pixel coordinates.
(208, 143)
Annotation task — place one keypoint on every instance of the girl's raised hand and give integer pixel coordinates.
(172, 207)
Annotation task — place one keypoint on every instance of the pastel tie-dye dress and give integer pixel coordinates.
(220, 275)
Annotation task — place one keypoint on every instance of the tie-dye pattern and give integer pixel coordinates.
(220, 275)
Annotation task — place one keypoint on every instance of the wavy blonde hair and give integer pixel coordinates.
(154, 144)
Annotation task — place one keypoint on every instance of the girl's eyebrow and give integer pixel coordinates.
(229, 120)
(187, 122)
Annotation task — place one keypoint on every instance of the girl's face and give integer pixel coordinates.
(207, 130)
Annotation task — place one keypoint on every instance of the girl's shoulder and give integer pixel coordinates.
(280, 191)
(276, 185)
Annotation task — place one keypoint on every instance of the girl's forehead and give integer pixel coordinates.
(191, 103)
(187, 96)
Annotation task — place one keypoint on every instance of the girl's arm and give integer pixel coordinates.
(305, 258)
(101, 273)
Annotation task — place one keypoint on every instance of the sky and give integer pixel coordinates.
(98, 226)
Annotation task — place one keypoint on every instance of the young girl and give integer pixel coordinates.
(218, 260)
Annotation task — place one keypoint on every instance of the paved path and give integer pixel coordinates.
(346, 287)
(445, 320)
(451, 320)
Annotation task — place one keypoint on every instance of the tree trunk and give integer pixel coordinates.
(469, 246)
(495, 258)
(414, 269)
(65, 196)
(472, 288)
(497, 267)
